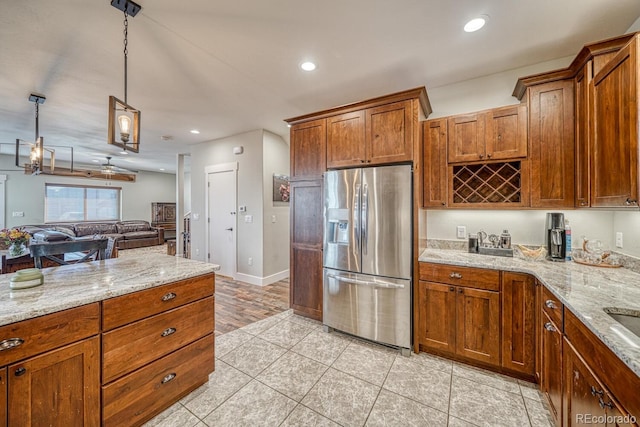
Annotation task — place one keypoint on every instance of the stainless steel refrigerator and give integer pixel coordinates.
(367, 253)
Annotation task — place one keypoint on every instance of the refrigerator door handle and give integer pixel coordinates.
(365, 217)
(374, 283)
(356, 214)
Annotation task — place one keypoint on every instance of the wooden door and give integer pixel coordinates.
(58, 388)
(518, 322)
(551, 369)
(466, 141)
(506, 136)
(551, 137)
(389, 133)
(582, 392)
(3, 397)
(437, 316)
(308, 149)
(434, 151)
(345, 140)
(306, 226)
(478, 325)
(614, 160)
(583, 122)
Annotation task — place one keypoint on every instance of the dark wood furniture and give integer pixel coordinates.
(163, 214)
(434, 160)
(551, 325)
(89, 250)
(382, 130)
(518, 298)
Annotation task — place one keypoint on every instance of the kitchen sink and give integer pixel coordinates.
(630, 319)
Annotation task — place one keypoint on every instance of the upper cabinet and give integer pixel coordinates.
(497, 134)
(308, 149)
(434, 160)
(614, 144)
(345, 139)
(583, 96)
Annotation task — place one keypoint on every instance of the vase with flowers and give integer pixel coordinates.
(16, 239)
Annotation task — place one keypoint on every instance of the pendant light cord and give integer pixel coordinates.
(126, 41)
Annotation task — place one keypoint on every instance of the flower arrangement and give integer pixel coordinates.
(15, 239)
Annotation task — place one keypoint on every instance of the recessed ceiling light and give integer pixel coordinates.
(95, 161)
(195, 131)
(161, 169)
(288, 125)
(124, 152)
(476, 23)
(308, 66)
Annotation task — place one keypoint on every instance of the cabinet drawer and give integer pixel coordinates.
(130, 347)
(45, 333)
(135, 398)
(464, 276)
(552, 307)
(138, 305)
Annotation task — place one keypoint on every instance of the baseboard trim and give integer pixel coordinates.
(262, 281)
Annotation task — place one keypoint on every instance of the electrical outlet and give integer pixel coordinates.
(197, 251)
(250, 261)
(619, 239)
(248, 218)
(461, 231)
(273, 218)
(18, 213)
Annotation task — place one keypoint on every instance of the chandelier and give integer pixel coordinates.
(124, 120)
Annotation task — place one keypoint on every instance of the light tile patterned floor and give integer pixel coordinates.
(284, 371)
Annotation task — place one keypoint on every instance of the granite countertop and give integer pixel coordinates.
(584, 290)
(71, 286)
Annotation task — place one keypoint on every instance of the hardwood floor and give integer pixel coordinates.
(239, 303)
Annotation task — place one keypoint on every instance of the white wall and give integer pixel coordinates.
(265, 242)
(25, 193)
(628, 223)
(276, 234)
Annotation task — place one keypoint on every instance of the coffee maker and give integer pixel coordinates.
(555, 237)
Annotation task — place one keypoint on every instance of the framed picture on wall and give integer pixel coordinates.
(280, 188)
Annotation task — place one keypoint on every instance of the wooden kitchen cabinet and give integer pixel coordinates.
(3, 397)
(614, 144)
(434, 160)
(583, 97)
(585, 396)
(518, 323)
(308, 149)
(307, 201)
(551, 139)
(459, 312)
(551, 368)
(497, 134)
(373, 136)
(58, 388)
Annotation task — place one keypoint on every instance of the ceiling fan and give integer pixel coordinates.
(110, 169)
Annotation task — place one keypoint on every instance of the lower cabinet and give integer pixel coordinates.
(58, 388)
(3, 397)
(518, 323)
(551, 368)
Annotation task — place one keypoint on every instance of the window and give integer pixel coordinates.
(69, 203)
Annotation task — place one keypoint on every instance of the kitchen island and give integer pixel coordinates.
(123, 338)
(584, 357)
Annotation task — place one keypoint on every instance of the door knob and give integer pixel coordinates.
(229, 229)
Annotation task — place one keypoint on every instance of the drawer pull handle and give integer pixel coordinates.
(455, 275)
(551, 304)
(10, 343)
(168, 378)
(603, 404)
(549, 327)
(451, 289)
(167, 332)
(595, 392)
(20, 372)
(168, 297)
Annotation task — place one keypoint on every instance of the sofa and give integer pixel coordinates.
(127, 234)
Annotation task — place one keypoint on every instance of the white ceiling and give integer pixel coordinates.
(225, 67)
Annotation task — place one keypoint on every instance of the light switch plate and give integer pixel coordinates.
(248, 218)
(461, 231)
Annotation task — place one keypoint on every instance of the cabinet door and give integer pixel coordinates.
(306, 248)
(506, 136)
(478, 325)
(582, 391)
(389, 133)
(3, 397)
(466, 138)
(308, 149)
(614, 161)
(551, 136)
(345, 140)
(58, 388)
(434, 151)
(583, 121)
(551, 369)
(437, 316)
(518, 328)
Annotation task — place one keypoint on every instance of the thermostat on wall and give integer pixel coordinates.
(242, 208)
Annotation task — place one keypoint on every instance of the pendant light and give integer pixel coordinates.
(124, 120)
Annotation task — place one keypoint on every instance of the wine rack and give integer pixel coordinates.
(488, 183)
